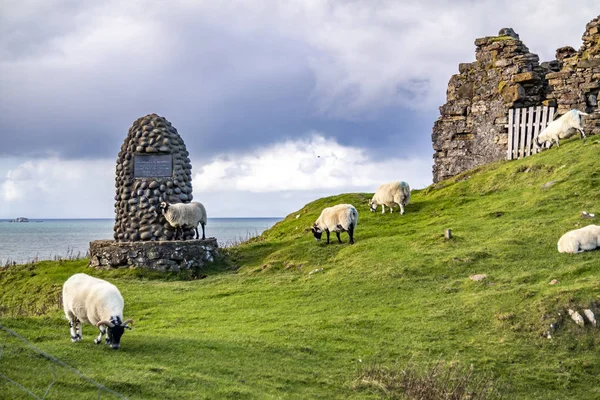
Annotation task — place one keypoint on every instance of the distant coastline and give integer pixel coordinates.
(19, 219)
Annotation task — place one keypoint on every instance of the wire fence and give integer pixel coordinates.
(46, 358)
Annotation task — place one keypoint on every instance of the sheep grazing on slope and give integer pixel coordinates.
(562, 128)
(96, 302)
(340, 218)
(185, 216)
(389, 194)
(580, 240)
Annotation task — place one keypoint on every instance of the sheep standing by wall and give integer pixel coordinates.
(562, 128)
(580, 240)
(339, 218)
(96, 302)
(389, 194)
(185, 216)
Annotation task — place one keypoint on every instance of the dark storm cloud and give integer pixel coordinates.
(223, 91)
(75, 75)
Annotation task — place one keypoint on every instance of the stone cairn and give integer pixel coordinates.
(137, 201)
(153, 166)
(472, 129)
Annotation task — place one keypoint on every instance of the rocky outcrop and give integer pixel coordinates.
(471, 130)
(19, 219)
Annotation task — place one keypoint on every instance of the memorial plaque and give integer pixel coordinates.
(152, 166)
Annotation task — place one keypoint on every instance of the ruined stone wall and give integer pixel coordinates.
(575, 81)
(471, 130)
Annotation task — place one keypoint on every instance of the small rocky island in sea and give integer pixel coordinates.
(19, 219)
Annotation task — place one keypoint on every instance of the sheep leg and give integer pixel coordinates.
(203, 236)
(382, 209)
(75, 337)
(351, 233)
(197, 234)
(78, 328)
(583, 135)
(98, 340)
(401, 208)
(338, 236)
(327, 232)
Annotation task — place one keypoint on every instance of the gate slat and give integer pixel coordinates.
(530, 112)
(511, 132)
(536, 129)
(523, 133)
(516, 133)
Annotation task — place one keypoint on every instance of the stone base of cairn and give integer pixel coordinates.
(165, 256)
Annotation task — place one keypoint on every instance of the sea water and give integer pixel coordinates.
(47, 239)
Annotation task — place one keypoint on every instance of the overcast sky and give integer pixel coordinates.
(278, 102)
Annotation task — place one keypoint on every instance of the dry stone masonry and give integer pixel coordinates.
(152, 166)
(575, 80)
(170, 256)
(472, 131)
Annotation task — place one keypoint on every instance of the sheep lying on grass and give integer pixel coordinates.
(389, 194)
(95, 302)
(339, 218)
(185, 216)
(562, 128)
(580, 240)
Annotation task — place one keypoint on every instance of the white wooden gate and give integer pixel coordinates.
(524, 124)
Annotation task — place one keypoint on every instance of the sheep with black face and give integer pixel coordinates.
(96, 302)
(185, 216)
(339, 218)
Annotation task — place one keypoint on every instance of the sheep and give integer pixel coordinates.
(389, 194)
(96, 302)
(185, 215)
(339, 218)
(562, 128)
(580, 240)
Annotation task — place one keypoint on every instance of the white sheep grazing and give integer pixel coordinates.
(339, 218)
(185, 216)
(562, 128)
(96, 302)
(580, 240)
(389, 194)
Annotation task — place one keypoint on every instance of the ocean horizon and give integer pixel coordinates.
(50, 238)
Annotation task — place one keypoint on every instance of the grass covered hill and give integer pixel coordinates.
(380, 316)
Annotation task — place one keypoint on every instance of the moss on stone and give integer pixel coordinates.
(495, 39)
(501, 85)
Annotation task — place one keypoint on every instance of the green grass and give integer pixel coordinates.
(264, 327)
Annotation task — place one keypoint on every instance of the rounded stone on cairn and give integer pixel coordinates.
(144, 171)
